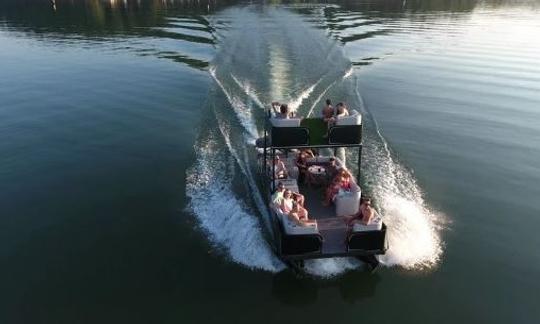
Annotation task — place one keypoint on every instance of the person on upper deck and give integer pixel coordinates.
(283, 111)
(327, 111)
(341, 110)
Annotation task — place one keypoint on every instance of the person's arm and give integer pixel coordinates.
(282, 205)
(275, 104)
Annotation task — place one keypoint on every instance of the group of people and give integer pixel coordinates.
(282, 110)
(291, 204)
(329, 114)
(337, 179)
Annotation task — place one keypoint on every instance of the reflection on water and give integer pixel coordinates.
(175, 30)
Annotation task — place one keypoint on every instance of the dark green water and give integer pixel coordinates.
(127, 193)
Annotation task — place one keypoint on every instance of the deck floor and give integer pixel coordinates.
(332, 228)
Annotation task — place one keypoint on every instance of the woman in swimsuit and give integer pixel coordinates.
(287, 202)
(300, 215)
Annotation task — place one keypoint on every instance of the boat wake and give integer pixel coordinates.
(221, 185)
(414, 229)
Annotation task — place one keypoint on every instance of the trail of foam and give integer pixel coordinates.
(413, 230)
(295, 103)
(244, 167)
(222, 215)
(328, 268)
(320, 97)
(248, 90)
(241, 110)
(347, 74)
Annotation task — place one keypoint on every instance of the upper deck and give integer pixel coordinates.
(313, 132)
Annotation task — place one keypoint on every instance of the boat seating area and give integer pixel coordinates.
(345, 202)
(313, 131)
(329, 235)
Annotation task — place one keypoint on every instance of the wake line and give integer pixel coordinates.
(347, 74)
(320, 97)
(247, 90)
(244, 115)
(413, 233)
(294, 104)
(259, 202)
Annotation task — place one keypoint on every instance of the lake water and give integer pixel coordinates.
(127, 187)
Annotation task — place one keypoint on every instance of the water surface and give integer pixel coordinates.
(128, 192)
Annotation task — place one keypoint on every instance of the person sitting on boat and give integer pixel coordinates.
(301, 164)
(342, 182)
(286, 202)
(365, 213)
(298, 198)
(277, 196)
(280, 170)
(345, 180)
(341, 111)
(308, 152)
(283, 111)
(327, 111)
(332, 170)
(299, 214)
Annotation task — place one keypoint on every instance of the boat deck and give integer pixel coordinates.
(333, 229)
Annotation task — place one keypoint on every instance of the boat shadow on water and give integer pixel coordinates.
(353, 287)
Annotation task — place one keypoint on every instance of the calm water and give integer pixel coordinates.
(127, 188)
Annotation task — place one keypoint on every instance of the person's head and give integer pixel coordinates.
(328, 102)
(344, 173)
(287, 193)
(366, 201)
(340, 107)
(284, 109)
(280, 186)
(332, 161)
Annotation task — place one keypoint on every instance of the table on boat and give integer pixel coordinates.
(318, 174)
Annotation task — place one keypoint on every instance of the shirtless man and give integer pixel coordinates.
(327, 111)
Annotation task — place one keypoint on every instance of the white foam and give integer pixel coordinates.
(242, 111)
(327, 268)
(248, 90)
(295, 103)
(347, 74)
(413, 229)
(230, 224)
